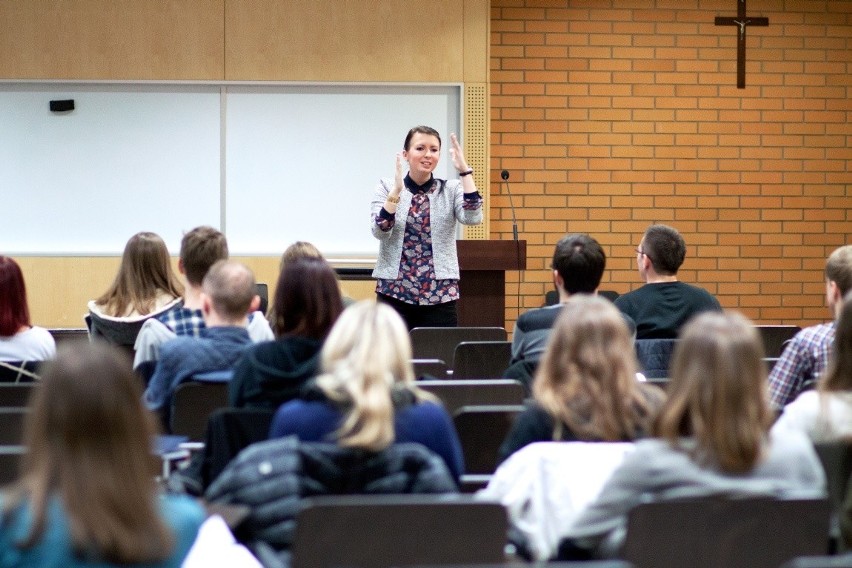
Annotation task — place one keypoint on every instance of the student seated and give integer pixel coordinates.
(825, 414)
(87, 495)
(664, 304)
(366, 396)
(228, 295)
(712, 435)
(585, 387)
(144, 287)
(307, 303)
(200, 248)
(805, 358)
(577, 268)
(20, 341)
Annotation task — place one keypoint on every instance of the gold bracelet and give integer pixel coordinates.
(392, 199)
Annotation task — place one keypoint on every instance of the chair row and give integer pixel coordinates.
(383, 531)
(484, 352)
(193, 402)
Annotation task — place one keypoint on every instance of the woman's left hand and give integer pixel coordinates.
(457, 155)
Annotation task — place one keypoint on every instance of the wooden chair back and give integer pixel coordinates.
(725, 533)
(440, 342)
(382, 531)
(481, 359)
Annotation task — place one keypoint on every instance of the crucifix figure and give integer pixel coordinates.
(741, 21)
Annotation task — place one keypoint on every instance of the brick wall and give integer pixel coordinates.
(615, 114)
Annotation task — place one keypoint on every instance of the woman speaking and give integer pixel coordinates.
(414, 217)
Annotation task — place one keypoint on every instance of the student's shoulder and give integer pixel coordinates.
(183, 509)
(178, 346)
(539, 316)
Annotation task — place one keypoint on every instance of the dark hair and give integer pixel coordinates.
(665, 248)
(231, 288)
(307, 299)
(88, 440)
(200, 249)
(14, 312)
(422, 130)
(838, 268)
(580, 262)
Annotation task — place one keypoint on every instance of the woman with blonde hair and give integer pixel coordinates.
(585, 387)
(825, 414)
(712, 434)
(87, 494)
(365, 396)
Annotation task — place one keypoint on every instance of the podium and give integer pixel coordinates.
(483, 265)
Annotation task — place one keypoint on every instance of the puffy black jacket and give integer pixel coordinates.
(272, 477)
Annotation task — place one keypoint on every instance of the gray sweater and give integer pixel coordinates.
(656, 471)
(445, 206)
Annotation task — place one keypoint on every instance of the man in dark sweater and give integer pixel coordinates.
(578, 265)
(663, 304)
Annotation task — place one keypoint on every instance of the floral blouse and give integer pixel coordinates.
(416, 282)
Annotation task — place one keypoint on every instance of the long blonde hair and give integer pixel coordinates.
(144, 274)
(88, 441)
(587, 375)
(366, 357)
(717, 393)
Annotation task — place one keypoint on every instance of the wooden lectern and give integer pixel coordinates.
(483, 265)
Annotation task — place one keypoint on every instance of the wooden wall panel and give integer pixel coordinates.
(58, 288)
(477, 19)
(213, 40)
(112, 39)
(345, 40)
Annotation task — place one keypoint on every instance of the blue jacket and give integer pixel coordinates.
(217, 349)
(54, 550)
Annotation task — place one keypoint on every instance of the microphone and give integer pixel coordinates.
(505, 175)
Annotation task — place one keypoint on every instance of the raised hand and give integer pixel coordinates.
(397, 186)
(457, 155)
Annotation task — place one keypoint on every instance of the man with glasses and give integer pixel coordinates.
(664, 304)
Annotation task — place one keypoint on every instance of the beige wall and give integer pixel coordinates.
(235, 40)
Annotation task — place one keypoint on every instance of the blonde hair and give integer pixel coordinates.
(145, 273)
(717, 393)
(299, 250)
(366, 357)
(587, 375)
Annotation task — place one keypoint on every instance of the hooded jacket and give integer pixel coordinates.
(273, 372)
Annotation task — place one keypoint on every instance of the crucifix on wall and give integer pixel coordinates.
(741, 21)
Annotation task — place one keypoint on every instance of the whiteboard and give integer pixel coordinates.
(129, 158)
(267, 164)
(303, 162)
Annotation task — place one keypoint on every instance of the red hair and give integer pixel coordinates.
(14, 313)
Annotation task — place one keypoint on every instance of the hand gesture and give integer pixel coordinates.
(457, 155)
(397, 186)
